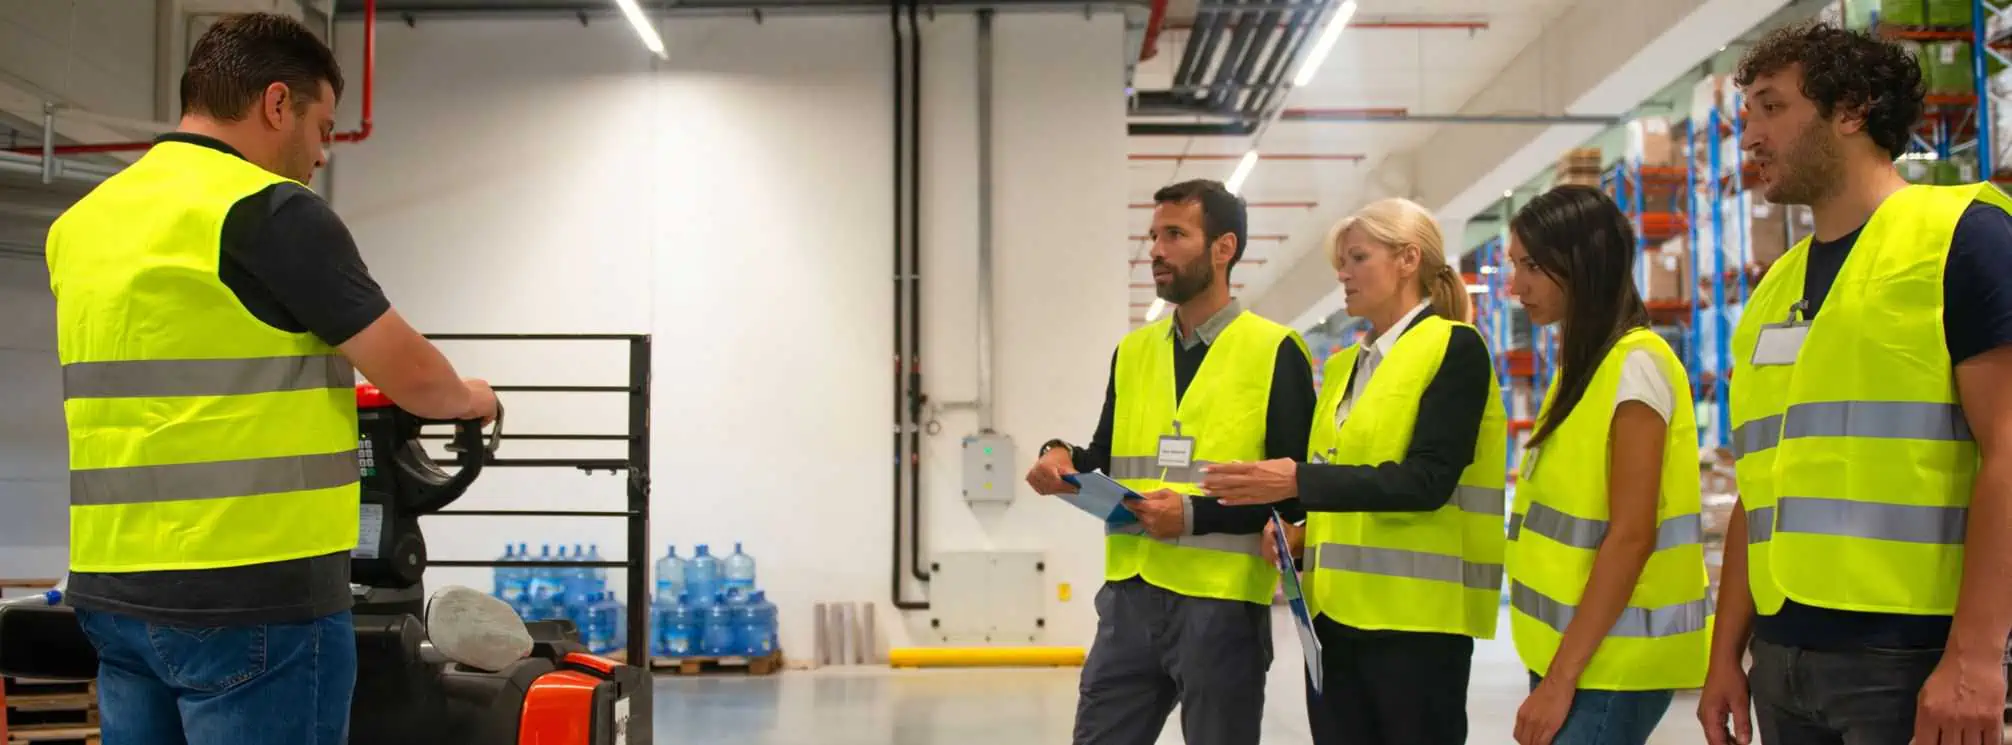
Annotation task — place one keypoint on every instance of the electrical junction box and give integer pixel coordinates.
(990, 473)
(988, 597)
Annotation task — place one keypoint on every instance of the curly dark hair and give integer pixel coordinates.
(1846, 70)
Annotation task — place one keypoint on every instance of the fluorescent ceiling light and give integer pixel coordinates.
(1236, 182)
(1159, 306)
(634, 13)
(1328, 36)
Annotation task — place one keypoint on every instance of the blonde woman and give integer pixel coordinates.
(1402, 489)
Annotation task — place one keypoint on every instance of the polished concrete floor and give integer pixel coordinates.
(878, 706)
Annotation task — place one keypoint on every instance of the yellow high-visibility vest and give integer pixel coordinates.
(1438, 571)
(1855, 462)
(1223, 410)
(1662, 639)
(200, 437)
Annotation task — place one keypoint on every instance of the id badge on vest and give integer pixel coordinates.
(1779, 343)
(1176, 451)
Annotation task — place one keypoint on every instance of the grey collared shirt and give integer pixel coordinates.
(1206, 331)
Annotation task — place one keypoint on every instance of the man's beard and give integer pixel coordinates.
(1188, 282)
(298, 162)
(1810, 171)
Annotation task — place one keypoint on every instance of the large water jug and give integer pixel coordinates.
(758, 634)
(737, 571)
(741, 611)
(702, 577)
(660, 628)
(579, 582)
(544, 586)
(670, 576)
(502, 576)
(681, 636)
(619, 611)
(718, 635)
(597, 577)
(599, 629)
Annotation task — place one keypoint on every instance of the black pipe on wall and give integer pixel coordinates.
(916, 397)
(900, 318)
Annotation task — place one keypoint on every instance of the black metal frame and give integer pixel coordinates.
(636, 465)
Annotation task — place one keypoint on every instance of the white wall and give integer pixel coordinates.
(735, 201)
(34, 466)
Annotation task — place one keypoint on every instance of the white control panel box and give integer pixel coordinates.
(990, 473)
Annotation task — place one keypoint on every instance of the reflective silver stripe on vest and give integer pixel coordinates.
(1638, 623)
(1580, 532)
(1760, 525)
(1480, 500)
(214, 480)
(1887, 522)
(217, 377)
(1757, 435)
(1393, 562)
(1236, 544)
(1148, 467)
(1907, 420)
(1899, 420)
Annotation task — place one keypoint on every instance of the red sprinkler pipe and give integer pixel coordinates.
(1155, 20)
(361, 132)
(364, 128)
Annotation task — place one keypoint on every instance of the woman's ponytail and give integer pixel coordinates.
(1447, 290)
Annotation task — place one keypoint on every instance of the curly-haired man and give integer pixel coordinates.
(1873, 424)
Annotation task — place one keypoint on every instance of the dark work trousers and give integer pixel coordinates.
(1855, 697)
(1155, 648)
(1389, 687)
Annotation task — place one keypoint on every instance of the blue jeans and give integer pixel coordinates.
(1611, 717)
(223, 685)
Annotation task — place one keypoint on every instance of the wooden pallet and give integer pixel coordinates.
(50, 712)
(703, 665)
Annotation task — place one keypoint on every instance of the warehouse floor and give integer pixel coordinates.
(878, 706)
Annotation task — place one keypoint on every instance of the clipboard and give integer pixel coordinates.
(1102, 497)
(1309, 644)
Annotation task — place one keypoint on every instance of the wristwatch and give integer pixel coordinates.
(1052, 444)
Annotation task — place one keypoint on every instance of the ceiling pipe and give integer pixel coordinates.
(362, 132)
(1349, 157)
(1156, 19)
(578, 11)
(1402, 116)
(56, 168)
(1469, 26)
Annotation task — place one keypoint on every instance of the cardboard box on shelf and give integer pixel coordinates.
(1767, 234)
(1669, 271)
(1651, 141)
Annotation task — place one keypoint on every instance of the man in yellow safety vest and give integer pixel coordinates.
(1183, 616)
(212, 313)
(1872, 424)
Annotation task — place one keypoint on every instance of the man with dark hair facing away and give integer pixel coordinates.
(212, 315)
(1872, 421)
(1184, 614)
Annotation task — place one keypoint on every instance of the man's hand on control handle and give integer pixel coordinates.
(1046, 475)
(481, 401)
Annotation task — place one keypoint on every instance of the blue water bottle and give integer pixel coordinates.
(759, 635)
(681, 636)
(702, 577)
(718, 635)
(670, 576)
(500, 576)
(543, 590)
(737, 571)
(597, 577)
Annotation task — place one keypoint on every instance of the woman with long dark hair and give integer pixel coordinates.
(1607, 580)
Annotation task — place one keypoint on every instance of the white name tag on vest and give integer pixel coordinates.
(1177, 452)
(1779, 343)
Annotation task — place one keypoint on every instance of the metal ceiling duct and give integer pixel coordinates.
(1234, 65)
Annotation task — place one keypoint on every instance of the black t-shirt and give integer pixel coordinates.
(293, 265)
(1977, 318)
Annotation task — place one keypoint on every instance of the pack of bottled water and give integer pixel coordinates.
(709, 606)
(577, 594)
(705, 605)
